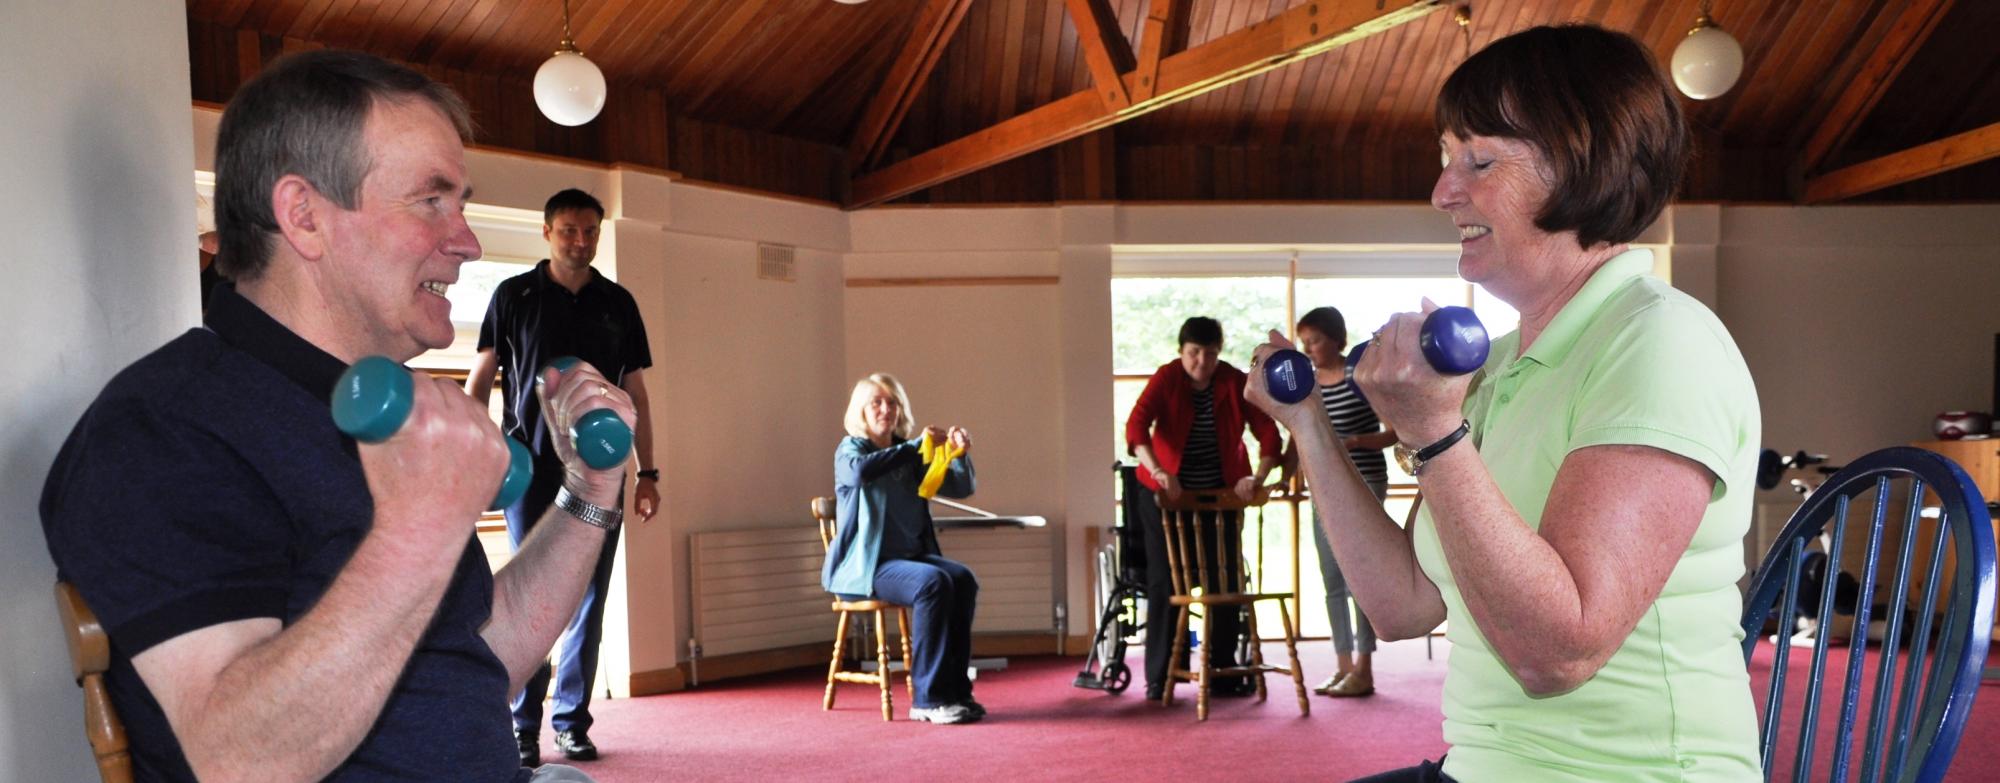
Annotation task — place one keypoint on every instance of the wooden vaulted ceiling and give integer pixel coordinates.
(964, 100)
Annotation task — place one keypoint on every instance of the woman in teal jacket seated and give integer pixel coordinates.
(885, 546)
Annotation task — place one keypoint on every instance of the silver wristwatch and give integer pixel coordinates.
(590, 513)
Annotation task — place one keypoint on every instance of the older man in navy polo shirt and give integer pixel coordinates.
(284, 603)
(563, 307)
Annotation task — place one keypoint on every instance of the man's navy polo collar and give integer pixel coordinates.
(548, 281)
(244, 325)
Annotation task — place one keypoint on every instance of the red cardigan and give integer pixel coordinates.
(1165, 413)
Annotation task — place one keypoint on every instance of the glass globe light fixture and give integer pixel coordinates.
(1708, 61)
(569, 88)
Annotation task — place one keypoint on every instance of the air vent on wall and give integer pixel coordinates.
(776, 262)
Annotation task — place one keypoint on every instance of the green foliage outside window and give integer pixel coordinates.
(1146, 316)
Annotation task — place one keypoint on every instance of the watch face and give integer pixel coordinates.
(1406, 458)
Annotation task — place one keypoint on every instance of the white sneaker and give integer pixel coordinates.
(948, 713)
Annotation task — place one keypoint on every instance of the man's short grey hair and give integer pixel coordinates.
(305, 115)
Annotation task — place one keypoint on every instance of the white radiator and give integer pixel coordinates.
(1016, 572)
(759, 589)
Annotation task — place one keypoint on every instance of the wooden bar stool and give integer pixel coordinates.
(89, 658)
(822, 511)
(1191, 523)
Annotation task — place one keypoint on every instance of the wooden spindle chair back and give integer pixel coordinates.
(89, 659)
(1192, 523)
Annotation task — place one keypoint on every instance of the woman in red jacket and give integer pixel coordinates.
(1187, 433)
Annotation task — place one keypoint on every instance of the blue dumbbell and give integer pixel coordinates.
(372, 400)
(1452, 338)
(1288, 375)
(601, 438)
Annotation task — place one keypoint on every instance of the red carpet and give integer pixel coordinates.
(1978, 757)
(1041, 728)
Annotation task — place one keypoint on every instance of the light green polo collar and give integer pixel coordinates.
(1552, 347)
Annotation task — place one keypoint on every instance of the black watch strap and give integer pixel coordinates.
(1430, 452)
(650, 473)
(1413, 461)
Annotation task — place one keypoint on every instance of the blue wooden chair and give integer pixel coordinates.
(1940, 665)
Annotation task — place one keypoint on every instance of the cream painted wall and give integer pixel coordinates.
(1861, 323)
(749, 390)
(101, 270)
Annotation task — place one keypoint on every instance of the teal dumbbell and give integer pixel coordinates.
(372, 400)
(600, 437)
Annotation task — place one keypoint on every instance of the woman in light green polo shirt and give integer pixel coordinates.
(1585, 494)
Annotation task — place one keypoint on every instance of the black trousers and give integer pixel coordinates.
(1427, 772)
(1225, 563)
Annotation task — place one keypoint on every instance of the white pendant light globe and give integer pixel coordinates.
(569, 89)
(850, 2)
(1707, 62)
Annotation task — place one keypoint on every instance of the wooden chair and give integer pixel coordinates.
(1190, 523)
(89, 658)
(1915, 718)
(822, 511)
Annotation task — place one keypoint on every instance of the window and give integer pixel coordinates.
(469, 298)
(1251, 293)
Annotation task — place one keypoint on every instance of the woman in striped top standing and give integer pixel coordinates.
(1323, 338)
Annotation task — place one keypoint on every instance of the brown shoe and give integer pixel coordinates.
(1352, 685)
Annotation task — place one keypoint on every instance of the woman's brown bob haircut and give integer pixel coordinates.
(1595, 104)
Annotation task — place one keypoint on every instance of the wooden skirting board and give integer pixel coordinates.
(724, 667)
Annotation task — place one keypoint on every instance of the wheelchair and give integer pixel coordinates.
(1121, 579)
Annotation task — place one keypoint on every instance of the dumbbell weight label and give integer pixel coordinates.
(1288, 375)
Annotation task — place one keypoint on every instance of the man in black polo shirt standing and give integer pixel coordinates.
(282, 602)
(563, 307)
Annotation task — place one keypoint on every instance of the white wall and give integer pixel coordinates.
(746, 386)
(101, 269)
(1860, 324)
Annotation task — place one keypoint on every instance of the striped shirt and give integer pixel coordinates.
(1201, 460)
(1351, 416)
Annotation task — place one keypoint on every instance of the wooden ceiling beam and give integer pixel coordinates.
(1166, 32)
(1917, 162)
(1863, 91)
(1297, 34)
(936, 22)
(1104, 48)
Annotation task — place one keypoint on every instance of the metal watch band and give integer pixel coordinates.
(590, 513)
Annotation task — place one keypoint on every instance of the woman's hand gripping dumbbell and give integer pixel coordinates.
(375, 399)
(1419, 367)
(1452, 340)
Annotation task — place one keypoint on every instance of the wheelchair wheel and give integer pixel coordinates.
(1116, 677)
